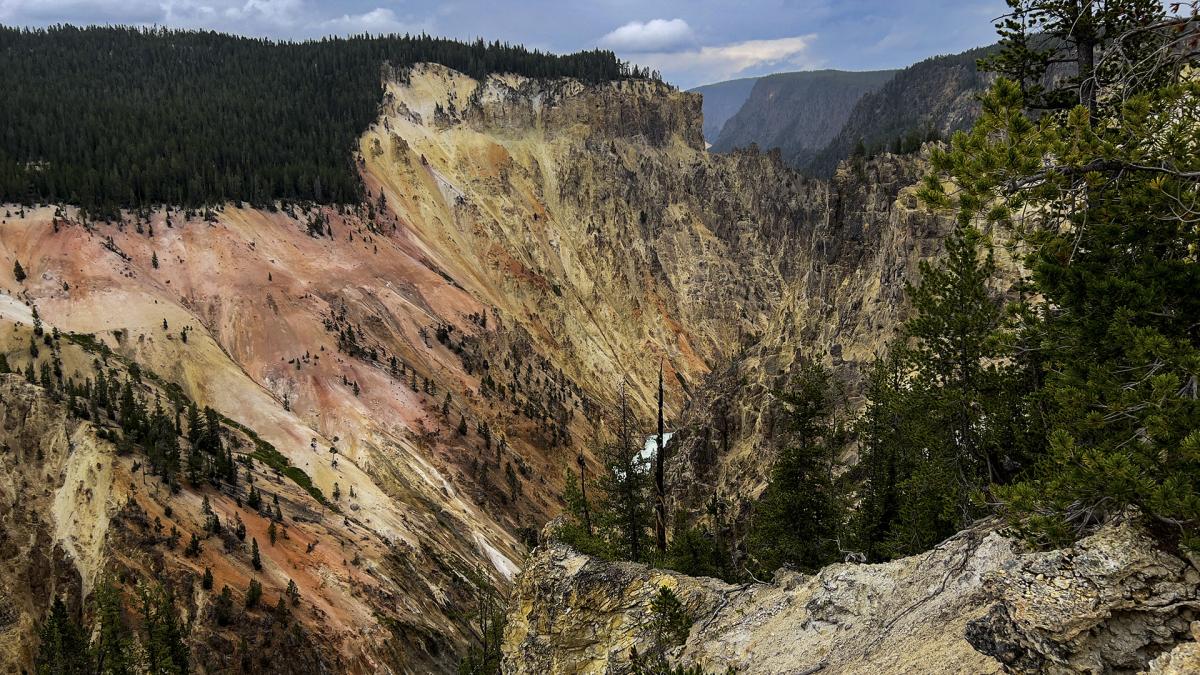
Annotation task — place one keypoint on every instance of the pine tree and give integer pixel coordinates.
(930, 439)
(18, 271)
(63, 646)
(163, 634)
(112, 650)
(660, 481)
(1036, 35)
(626, 510)
(487, 625)
(1113, 258)
(154, 259)
(255, 559)
(889, 429)
(223, 607)
(253, 594)
(207, 582)
(799, 516)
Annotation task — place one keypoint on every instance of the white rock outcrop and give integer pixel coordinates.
(974, 604)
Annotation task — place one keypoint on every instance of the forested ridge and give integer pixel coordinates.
(113, 117)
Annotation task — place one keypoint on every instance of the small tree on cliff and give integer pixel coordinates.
(487, 624)
(625, 511)
(63, 648)
(798, 517)
(18, 272)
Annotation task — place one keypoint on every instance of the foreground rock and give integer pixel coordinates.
(975, 604)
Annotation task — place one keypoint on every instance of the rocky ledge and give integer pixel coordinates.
(1113, 603)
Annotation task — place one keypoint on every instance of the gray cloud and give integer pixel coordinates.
(295, 19)
(719, 62)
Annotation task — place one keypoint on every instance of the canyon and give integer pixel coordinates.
(412, 376)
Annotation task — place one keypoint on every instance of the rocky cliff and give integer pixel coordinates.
(1113, 603)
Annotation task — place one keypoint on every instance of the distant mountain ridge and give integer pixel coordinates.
(937, 96)
(798, 112)
(818, 118)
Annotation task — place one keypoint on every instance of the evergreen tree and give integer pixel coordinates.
(1038, 35)
(697, 552)
(113, 650)
(625, 487)
(223, 607)
(18, 271)
(889, 428)
(797, 519)
(1104, 205)
(253, 594)
(660, 481)
(193, 548)
(483, 658)
(255, 559)
(163, 635)
(199, 118)
(63, 646)
(941, 424)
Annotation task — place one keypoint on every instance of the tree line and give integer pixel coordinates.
(117, 117)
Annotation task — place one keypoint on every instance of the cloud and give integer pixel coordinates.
(80, 11)
(656, 35)
(377, 21)
(274, 13)
(296, 19)
(722, 62)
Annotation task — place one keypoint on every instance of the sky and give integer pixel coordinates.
(691, 42)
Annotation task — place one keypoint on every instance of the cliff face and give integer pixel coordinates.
(76, 511)
(843, 309)
(55, 505)
(975, 604)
